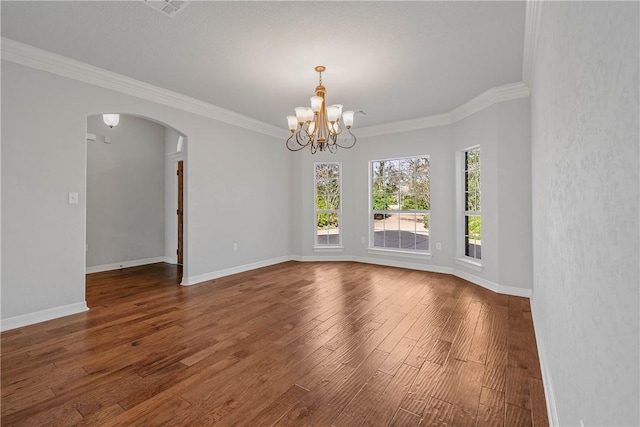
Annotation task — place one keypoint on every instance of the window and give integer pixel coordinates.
(472, 212)
(328, 177)
(400, 204)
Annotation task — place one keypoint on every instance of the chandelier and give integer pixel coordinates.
(319, 127)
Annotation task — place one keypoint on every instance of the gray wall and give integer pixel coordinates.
(125, 191)
(585, 151)
(237, 183)
(503, 132)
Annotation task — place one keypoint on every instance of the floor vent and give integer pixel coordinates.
(168, 8)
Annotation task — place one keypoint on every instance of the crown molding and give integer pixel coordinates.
(487, 99)
(531, 30)
(406, 125)
(484, 100)
(43, 60)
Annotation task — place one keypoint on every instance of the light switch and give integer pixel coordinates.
(73, 198)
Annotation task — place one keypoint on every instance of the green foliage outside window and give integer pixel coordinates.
(401, 184)
(327, 195)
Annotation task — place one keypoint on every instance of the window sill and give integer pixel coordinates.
(469, 263)
(328, 249)
(400, 253)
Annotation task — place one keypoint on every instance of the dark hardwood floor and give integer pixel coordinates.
(320, 344)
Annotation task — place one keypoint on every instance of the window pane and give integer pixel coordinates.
(422, 232)
(380, 202)
(391, 200)
(392, 175)
(327, 229)
(332, 194)
(407, 231)
(473, 233)
(378, 230)
(333, 171)
(321, 171)
(392, 231)
(321, 192)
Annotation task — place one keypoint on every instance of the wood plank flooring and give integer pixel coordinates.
(316, 344)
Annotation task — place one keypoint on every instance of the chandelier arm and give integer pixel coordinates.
(333, 148)
(352, 139)
(300, 146)
(303, 141)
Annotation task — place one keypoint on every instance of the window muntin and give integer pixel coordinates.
(400, 204)
(472, 211)
(328, 211)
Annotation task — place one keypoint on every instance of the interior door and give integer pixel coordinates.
(180, 210)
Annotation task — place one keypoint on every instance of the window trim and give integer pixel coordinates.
(461, 258)
(402, 252)
(316, 246)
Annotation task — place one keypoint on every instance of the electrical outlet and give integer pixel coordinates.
(235, 246)
(73, 198)
(439, 246)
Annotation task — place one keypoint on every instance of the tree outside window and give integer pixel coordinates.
(328, 204)
(400, 203)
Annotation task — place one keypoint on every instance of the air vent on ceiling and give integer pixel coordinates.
(168, 8)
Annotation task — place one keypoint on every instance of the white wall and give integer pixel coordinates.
(237, 184)
(434, 142)
(585, 135)
(502, 131)
(125, 191)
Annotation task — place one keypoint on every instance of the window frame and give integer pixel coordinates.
(403, 252)
(461, 202)
(316, 245)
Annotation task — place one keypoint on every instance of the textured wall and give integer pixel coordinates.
(585, 209)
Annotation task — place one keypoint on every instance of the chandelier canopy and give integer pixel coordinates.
(319, 127)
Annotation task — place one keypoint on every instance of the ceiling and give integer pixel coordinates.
(395, 60)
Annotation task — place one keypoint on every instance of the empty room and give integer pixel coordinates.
(255, 213)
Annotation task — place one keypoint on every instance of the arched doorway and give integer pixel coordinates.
(136, 194)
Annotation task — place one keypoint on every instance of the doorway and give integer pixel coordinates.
(135, 184)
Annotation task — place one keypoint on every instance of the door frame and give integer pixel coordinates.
(174, 158)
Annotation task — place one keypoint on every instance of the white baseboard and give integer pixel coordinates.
(192, 280)
(403, 264)
(549, 395)
(42, 316)
(376, 261)
(126, 264)
(495, 287)
(492, 286)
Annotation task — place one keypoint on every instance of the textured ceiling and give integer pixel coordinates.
(395, 60)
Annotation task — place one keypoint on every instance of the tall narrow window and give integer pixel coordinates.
(472, 211)
(400, 204)
(328, 212)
